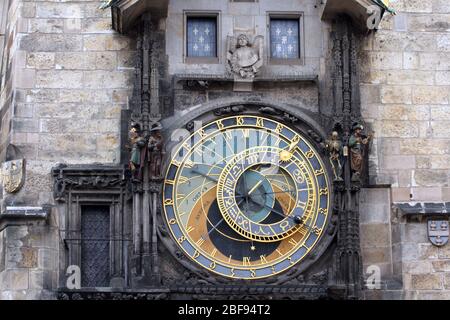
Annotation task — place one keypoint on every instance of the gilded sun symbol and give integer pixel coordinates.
(285, 156)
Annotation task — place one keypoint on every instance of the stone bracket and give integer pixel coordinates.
(23, 215)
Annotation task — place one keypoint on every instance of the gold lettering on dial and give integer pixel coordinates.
(246, 261)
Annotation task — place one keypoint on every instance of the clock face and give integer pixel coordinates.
(246, 197)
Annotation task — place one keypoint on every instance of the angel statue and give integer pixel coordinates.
(245, 58)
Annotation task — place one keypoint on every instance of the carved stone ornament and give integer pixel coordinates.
(13, 175)
(438, 232)
(245, 57)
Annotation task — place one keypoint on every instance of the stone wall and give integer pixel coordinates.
(68, 76)
(406, 99)
(74, 77)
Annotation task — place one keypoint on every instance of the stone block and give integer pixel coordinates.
(401, 194)
(97, 25)
(414, 232)
(386, 60)
(411, 60)
(41, 60)
(433, 295)
(440, 129)
(427, 194)
(418, 267)
(51, 42)
(376, 255)
(418, 6)
(427, 251)
(431, 178)
(443, 78)
(59, 10)
(108, 79)
(24, 78)
(398, 162)
(75, 60)
(424, 23)
(107, 42)
(410, 251)
(59, 79)
(434, 61)
(400, 129)
(443, 42)
(84, 96)
(414, 77)
(427, 281)
(447, 281)
(15, 279)
(25, 125)
(425, 146)
(430, 95)
(442, 6)
(28, 10)
(46, 25)
(375, 235)
(396, 94)
(441, 265)
(42, 95)
(72, 25)
(370, 94)
(47, 259)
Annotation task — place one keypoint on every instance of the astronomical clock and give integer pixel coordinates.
(246, 197)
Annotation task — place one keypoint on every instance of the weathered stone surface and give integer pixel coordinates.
(400, 129)
(59, 79)
(41, 60)
(396, 94)
(427, 281)
(15, 279)
(375, 235)
(431, 95)
(51, 42)
(418, 267)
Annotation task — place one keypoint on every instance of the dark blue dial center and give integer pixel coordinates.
(254, 195)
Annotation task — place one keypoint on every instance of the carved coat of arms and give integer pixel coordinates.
(245, 57)
(13, 175)
(438, 232)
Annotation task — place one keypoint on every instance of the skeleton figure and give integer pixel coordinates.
(245, 58)
(334, 147)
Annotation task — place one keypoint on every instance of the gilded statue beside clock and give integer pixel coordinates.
(246, 197)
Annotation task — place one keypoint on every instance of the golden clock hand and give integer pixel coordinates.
(255, 187)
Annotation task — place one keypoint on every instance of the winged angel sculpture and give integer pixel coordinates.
(244, 57)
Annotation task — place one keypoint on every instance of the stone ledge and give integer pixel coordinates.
(22, 215)
(424, 208)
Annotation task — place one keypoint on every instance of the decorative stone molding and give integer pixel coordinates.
(126, 12)
(366, 14)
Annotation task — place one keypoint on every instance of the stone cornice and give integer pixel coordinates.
(125, 13)
(359, 10)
